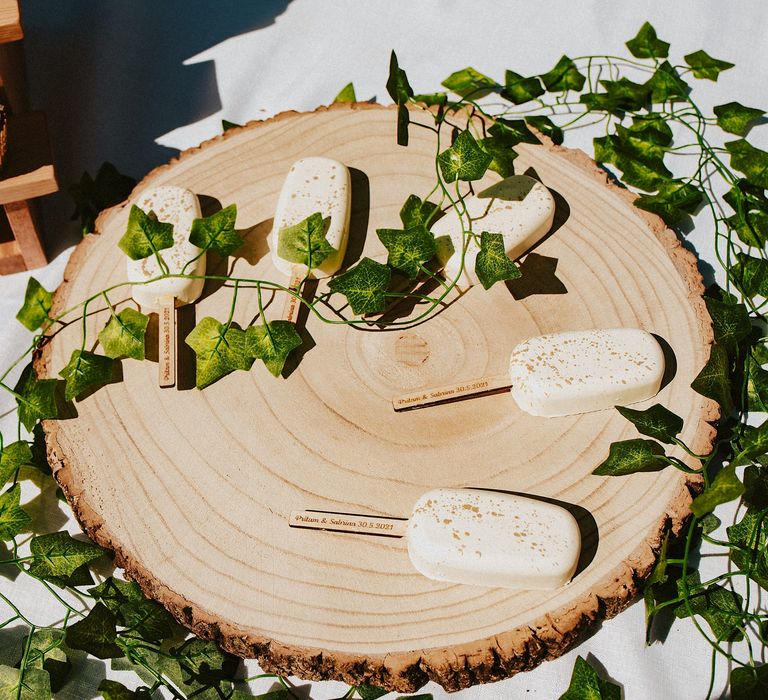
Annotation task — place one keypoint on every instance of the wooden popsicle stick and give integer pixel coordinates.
(167, 342)
(348, 522)
(484, 386)
(292, 302)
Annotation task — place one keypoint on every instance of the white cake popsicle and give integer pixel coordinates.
(314, 185)
(562, 374)
(489, 538)
(484, 538)
(518, 207)
(180, 207)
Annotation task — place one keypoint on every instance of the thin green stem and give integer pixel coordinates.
(232, 307)
(23, 663)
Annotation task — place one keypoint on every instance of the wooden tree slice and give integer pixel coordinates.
(192, 489)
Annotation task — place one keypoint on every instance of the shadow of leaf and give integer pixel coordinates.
(538, 277)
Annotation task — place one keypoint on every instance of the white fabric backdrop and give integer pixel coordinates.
(130, 82)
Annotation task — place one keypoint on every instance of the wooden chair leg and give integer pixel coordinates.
(23, 223)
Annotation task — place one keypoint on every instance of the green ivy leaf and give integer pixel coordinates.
(620, 96)
(416, 212)
(431, 99)
(673, 201)
(606, 148)
(12, 457)
(587, 685)
(503, 136)
(403, 120)
(757, 386)
(58, 554)
(37, 305)
(647, 44)
(512, 131)
(132, 610)
(346, 94)
(730, 322)
(749, 160)
(492, 263)
(226, 125)
(115, 592)
(464, 160)
(81, 576)
(649, 174)
(145, 234)
(13, 518)
(85, 370)
(502, 155)
(204, 664)
(305, 243)
(38, 400)
(547, 127)
(642, 143)
(651, 127)
(398, 87)
(666, 85)
(161, 662)
(724, 487)
(96, 634)
(751, 275)
(33, 685)
(148, 619)
(630, 456)
(720, 607)
(112, 690)
(751, 219)
(408, 249)
(714, 379)
(124, 334)
(39, 451)
(658, 577)
(748, 550)
(272, 343)
(400, 91)
(641, 161)
(217, 232)
(749, 682)
(47, 652)
(469, 82)
(760, 353)
(364, 286)
(754, 443)
(704, 66)
(92, 195)
(709, 523)
(518, 89)
(746, 197)
(219, 350)
(628, 145)
(656, 422)
(751, 229)
(735, 118)
(564, 76)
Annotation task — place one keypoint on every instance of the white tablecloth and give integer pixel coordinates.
(131, 82)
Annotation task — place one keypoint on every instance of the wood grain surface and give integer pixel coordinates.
(193, 489)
